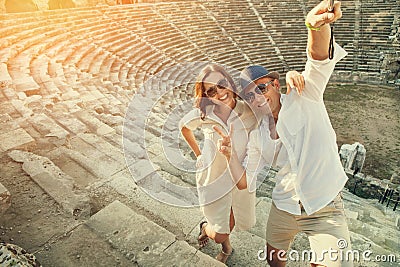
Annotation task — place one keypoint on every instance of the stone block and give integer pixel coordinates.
(153, 245)
(96, 251)
(62, 191)
(351, 214)
(19, 105)
(72, 124)
(70, 95)
(14, 139)
(4, 75)
(142, 168)
(5, 199)
(183, 219)
(54, 182)
(99, 127)
(48, 127)
(352, 156)
(395, 179)
(100, 144)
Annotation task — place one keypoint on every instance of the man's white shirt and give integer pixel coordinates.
(306, 152)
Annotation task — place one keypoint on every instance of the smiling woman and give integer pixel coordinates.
(212, 80)
(222, 203)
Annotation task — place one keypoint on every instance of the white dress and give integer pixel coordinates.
(217, 192)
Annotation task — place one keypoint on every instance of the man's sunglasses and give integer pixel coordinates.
(261, 89)
(221, 84)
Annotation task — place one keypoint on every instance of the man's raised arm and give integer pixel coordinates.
(319, 32)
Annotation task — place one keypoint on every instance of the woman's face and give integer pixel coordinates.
(218, 89)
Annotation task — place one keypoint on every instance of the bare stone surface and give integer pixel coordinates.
(176, 217)
(352, 157)
(395, 179)
(5, 198)
(86, 253)
(14, 139)
(54, 182)
(150, 243)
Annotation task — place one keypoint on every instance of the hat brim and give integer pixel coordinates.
(272, 74)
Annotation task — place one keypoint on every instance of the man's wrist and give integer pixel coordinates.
(308, 25)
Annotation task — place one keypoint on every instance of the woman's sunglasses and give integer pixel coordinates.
(221, 84)
(261, 89)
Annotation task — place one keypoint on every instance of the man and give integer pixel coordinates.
(306, 197)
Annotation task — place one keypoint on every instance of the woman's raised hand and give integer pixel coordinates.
(224, 144)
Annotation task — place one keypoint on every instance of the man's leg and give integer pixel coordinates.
(281, 229)
(275, 256)
(329, 236)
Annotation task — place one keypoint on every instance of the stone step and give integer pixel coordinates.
(94, 124)
(14, 139)
(99, 169)
(144, 241)
(59, 185)
(83, 247)
(184, 222)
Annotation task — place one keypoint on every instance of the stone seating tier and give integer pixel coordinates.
(66, 38)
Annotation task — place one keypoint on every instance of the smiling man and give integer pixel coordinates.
(306, 197)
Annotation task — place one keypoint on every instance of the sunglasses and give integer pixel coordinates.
(261, 89)
(221, 84)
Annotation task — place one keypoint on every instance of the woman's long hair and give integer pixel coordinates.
(202, 101)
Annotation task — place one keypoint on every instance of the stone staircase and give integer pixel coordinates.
(130, 228)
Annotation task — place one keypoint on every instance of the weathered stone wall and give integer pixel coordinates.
(369, 187)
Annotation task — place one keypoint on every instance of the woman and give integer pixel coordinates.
(222, 203)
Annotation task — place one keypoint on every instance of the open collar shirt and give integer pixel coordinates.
(306, 151)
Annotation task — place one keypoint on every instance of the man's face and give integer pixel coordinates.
(269, 99)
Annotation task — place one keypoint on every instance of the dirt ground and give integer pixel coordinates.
(34, 217)
(369, 115)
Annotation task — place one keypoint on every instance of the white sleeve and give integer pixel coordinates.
(191, 120)
(318, 72)
(253, 162)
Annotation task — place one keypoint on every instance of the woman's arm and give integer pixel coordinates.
(236, 169)
(245, 174)
(190, 139)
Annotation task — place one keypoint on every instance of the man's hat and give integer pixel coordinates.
(255, 72)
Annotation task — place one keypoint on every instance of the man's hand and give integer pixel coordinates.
(319, 33)
(224, 144)
(319, 15)
(294, 80)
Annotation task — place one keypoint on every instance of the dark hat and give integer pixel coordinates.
(255, 72)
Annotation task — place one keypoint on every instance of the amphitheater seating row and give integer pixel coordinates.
(46, 51)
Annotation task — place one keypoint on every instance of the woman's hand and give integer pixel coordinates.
(200, 162)
(224, 144)
(294, 80)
